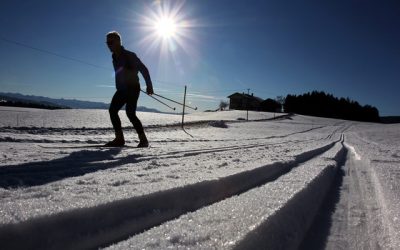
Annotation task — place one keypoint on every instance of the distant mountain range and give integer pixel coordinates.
(61, 103)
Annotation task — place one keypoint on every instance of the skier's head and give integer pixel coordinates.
(113, 41)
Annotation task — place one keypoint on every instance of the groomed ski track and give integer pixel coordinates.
(285, 208)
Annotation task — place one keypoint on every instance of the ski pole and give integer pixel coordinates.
(175, 101)
(159, 100)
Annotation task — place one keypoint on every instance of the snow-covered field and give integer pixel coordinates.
(294, 182)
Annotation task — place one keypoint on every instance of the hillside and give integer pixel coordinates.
(296, 182)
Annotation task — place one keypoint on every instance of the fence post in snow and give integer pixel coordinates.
(247, 105)
(184, 104)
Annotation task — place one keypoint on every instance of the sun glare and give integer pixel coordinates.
(166, 27)
(168, 32)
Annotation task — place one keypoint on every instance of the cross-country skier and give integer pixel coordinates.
(126, 65)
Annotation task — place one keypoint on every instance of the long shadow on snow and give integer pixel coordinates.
(75, 164)
(317, 235)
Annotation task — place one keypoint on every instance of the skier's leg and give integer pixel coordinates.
(118, 100)
(131, 106)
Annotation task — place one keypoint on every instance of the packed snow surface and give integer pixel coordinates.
(277, 181)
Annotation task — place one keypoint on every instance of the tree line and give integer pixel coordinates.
(326, 105)
(22, 104)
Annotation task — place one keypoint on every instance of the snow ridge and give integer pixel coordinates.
(108, 223)
(274, 215)
(287, 228)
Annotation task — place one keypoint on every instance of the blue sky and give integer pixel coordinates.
(346, 48)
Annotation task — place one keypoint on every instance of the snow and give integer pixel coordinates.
(223, 183)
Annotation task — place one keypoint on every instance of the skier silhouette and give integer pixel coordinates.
(127, 66)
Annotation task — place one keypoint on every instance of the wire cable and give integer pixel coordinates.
(106, 68)
(52, 53)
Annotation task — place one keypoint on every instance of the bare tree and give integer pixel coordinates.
(223, 105)
(281, 100)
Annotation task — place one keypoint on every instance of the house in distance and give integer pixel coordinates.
(244, 101)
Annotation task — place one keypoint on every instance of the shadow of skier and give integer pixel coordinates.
(77, 163)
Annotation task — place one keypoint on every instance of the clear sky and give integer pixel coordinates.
(349, 48)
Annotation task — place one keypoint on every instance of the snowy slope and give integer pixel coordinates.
(258, 184)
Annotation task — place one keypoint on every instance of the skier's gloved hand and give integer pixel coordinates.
(149, 90)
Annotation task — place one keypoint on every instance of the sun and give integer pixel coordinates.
(166, 27)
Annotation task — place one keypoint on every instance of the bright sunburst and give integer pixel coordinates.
(168, 34)
(166, 27)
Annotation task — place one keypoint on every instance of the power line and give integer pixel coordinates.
(51, 53)
(102, 67)
(68, 57)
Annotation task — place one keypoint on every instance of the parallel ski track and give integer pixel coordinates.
(50, 171)
(105, 224)
(85, 130)
(9, 139)
(39, 173)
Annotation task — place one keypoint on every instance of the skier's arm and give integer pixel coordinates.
(146, 75)
(134, 60)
